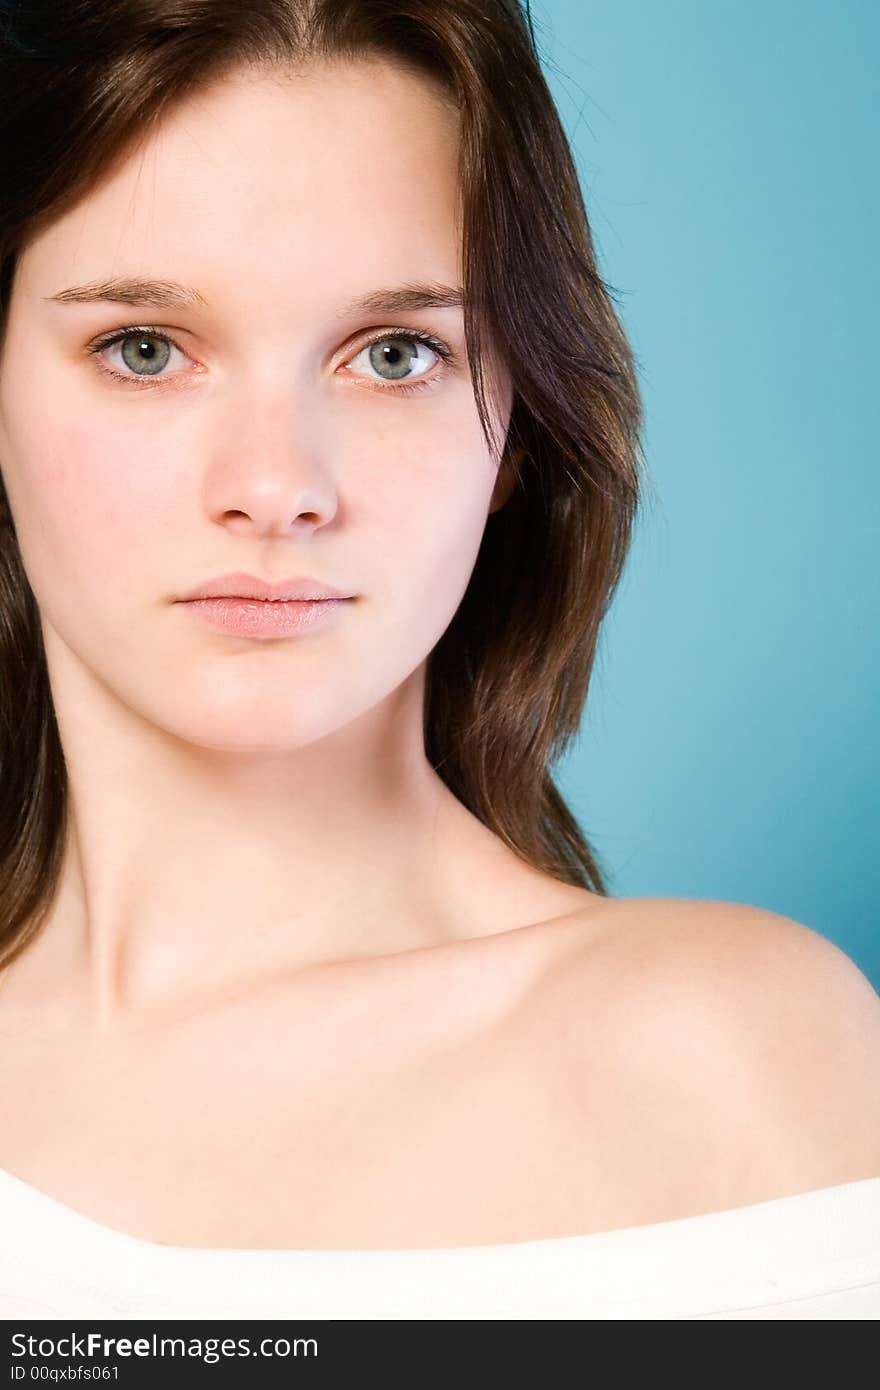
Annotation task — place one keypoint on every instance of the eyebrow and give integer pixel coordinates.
(168, 294)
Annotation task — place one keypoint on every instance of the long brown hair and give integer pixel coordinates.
(83, 84)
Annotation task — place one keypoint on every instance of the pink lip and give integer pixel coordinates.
(264, 618)
(249, 586)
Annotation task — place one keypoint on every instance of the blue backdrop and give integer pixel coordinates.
(728, 157)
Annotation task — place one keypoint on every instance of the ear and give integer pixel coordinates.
(506, 478)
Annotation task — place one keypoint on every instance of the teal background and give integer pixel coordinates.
(728, 154)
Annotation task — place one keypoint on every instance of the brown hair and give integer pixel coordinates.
(83, 84)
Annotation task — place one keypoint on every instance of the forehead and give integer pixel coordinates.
(319, 180)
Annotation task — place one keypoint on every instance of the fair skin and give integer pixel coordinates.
(291, 992)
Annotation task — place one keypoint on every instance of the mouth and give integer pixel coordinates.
(250, 586)
(264, 618)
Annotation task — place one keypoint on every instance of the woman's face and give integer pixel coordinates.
(268, 435)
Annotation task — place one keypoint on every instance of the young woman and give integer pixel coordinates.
(319, 439)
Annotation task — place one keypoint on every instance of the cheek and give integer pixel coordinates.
(82, 508)
(426, 524)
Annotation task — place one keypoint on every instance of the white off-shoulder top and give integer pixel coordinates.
(812, 1255)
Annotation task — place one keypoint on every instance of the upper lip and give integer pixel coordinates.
(241, 585)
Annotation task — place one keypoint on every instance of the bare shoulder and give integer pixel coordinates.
(757, 1031)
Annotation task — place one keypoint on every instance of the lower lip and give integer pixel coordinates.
(265, 618)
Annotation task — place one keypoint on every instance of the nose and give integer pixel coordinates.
(276, 508)
(270, 481)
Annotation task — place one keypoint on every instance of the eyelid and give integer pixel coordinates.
(437, 345)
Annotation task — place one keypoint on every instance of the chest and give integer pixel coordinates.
(268, 1129)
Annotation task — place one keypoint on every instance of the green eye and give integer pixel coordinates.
(145, 352)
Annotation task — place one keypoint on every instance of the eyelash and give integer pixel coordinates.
(443, 351)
